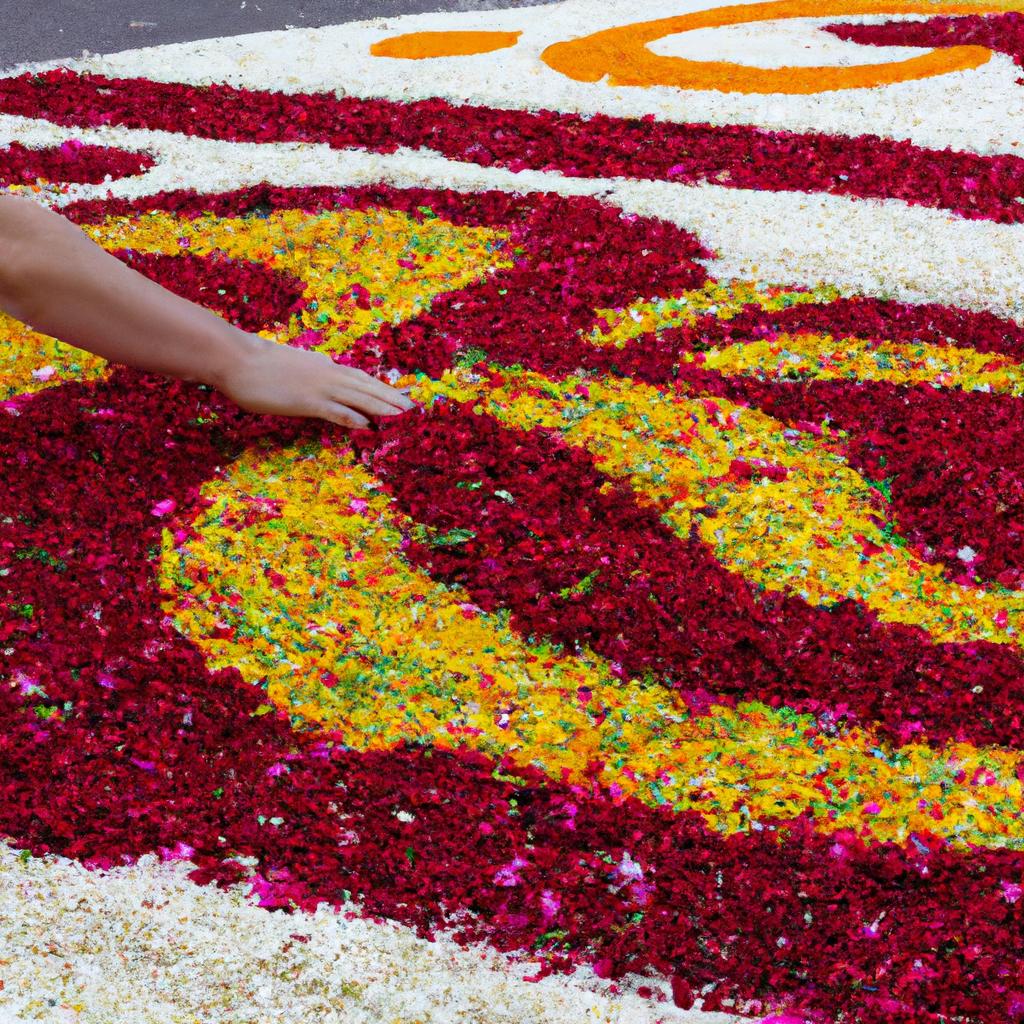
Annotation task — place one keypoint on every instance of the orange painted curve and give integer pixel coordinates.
(622, 55)
(421, 45)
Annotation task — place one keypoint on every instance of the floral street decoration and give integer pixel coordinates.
(677, 636)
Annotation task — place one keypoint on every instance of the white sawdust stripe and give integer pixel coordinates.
(145, 945)
(872, 247)
(980, 110)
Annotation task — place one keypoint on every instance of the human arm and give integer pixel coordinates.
(54, 278)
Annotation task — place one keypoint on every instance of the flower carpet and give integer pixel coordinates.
(666, 663)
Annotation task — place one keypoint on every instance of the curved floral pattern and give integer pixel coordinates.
(677, 632)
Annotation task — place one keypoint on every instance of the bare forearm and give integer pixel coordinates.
(70, 288)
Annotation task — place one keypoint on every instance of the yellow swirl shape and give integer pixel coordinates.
(294, 575)
(398, 262)
(805, 355)
(722, 299)
(800, 357)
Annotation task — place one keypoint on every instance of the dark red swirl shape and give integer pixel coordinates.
(72, 161)
(662, 606)
(115, 741)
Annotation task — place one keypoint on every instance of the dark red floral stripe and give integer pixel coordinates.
(1003, 33)
(71, 161)
(575, 559)
(492, 209)
(735, 156)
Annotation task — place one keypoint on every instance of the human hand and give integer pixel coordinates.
(271, 378)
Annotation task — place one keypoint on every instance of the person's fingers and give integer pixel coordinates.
(362, 381)
(335, 412)
(366, 403)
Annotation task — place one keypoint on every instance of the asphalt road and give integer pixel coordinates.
(50, 29)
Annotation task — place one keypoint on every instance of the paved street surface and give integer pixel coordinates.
(51, 29)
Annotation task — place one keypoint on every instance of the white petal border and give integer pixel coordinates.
(144, 944)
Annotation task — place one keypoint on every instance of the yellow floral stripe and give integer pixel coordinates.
(779, 506)
(295, 576)
(30, 361)
(805, 355)
(801, 357)
(724, 300)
